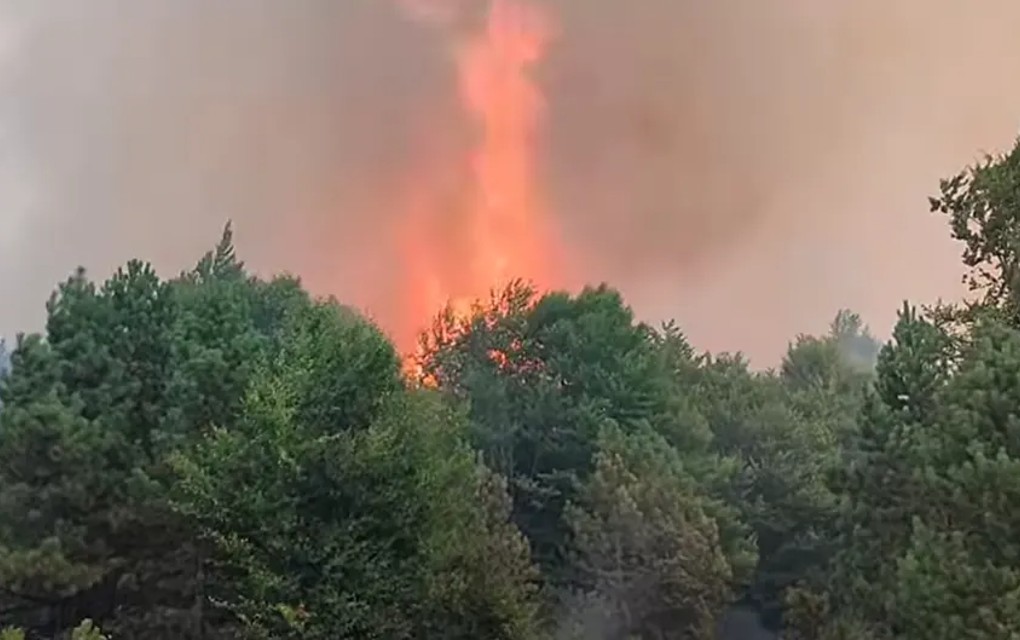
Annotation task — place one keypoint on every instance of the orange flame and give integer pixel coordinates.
(504, 232)
(506, 216)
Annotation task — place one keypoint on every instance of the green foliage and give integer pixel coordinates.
(982, 203)
(218, 456)
(5, 358)
(127, 371)
(78, 475)
(827, 376)
(649, 549)
(341, 368)
(945, 590)
(784, 439)
(541, 377)
(930, 550)
(356, 534)
(86, 630)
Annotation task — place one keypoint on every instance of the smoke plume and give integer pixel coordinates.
(745, 167)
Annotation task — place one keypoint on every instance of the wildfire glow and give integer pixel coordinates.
(502, 230)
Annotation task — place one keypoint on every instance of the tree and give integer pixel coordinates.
(5, 358)
(127, 372)
(53, 472)
(650, 556)
(5, 363)
(94, 392)
(541, 376)
(87, 630)
(929, 489)
(930, 549)
(356, 533)
(782, 455)
(827, 376)
(982, 203)
(341, 368)
(944, 590)
(215, 339)
(878, 483)
(221, 456)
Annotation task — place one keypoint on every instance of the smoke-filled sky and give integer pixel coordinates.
(747, 167)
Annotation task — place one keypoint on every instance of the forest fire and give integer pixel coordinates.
(504, 232)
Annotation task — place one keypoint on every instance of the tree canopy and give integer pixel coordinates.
(218, 455)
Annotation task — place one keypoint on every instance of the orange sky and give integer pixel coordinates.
(747, 169)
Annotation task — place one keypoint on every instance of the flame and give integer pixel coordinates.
(495, 88)
(503, 230)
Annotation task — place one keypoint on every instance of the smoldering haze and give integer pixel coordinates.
(746, 167)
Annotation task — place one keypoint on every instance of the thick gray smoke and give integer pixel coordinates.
(746, 167)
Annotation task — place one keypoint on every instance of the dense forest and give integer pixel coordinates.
(223, 456)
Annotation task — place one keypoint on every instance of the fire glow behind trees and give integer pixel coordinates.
(505, 233)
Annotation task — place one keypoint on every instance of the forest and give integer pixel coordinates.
(219, 455)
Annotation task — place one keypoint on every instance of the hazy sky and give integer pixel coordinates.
(747, 167)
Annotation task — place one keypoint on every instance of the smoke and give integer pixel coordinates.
(745, 167)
